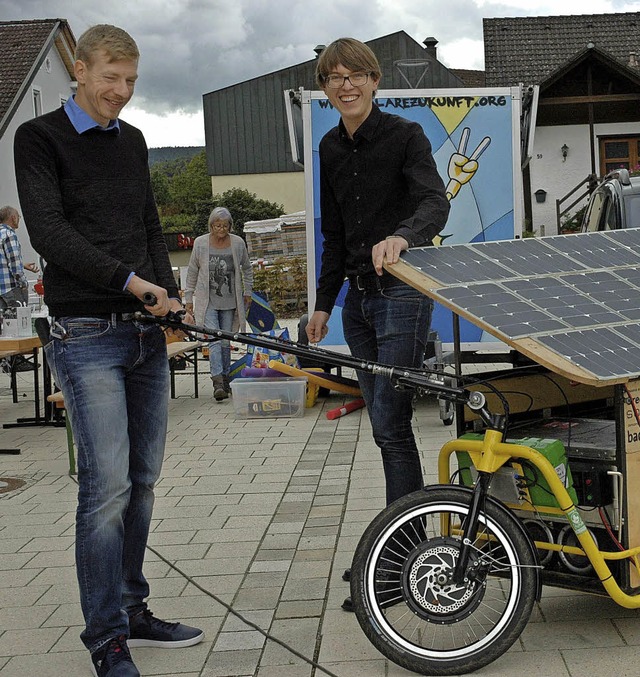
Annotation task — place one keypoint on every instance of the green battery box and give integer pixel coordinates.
(519, 481)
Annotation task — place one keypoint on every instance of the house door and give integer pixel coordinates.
(619, 152)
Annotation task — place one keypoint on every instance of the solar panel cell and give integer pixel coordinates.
(577, 296)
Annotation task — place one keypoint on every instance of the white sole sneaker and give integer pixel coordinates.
(135, 643)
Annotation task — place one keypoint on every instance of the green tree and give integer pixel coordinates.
(160, 186)
(243, 205)
(246, 206)
(182, 189)
(191, 185)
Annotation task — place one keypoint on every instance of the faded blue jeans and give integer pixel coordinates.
(390, 326)
(219, 351)
(114, 377)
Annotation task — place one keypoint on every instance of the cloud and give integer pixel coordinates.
(463, 53)
(177, 128)
(190, 47)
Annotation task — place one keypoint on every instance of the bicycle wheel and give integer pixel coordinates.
(403, 591)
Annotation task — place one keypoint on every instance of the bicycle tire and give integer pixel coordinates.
(404, 598)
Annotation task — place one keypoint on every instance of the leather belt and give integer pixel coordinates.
(372, 283)
(112, 317)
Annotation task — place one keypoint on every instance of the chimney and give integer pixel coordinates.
(633, 60)
(430, 44)
(318, 50)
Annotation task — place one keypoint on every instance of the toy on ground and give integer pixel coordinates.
(345, 409)
(323, 379)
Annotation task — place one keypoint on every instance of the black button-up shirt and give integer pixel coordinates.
(382, 182)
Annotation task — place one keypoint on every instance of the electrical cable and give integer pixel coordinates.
(567, 404)
(633, 404)
(238, 615)
(535, 510)
(535, 481)
(522, 394)
(606, 521)
(465, 381)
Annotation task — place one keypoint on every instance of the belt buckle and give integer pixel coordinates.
(368, 283)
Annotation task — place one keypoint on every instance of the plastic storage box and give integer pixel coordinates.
(269, 397)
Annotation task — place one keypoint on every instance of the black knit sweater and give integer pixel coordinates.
(88, 206)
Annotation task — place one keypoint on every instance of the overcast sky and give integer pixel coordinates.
(190, 47)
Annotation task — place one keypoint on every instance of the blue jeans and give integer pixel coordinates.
(114, 377)
(219, 351)
(390, 326)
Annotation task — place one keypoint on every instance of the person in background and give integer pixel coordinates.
(218, 288)
(85, 191)
(380, 193)
(14, 287)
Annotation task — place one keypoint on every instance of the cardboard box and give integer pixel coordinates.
(269, 397)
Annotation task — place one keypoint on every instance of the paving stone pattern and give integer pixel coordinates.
(265, 515)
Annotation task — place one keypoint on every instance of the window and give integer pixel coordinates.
(610, 221)
(632, 205)
(619, 152)
(37, 102)
(602, 213)
(594, 214)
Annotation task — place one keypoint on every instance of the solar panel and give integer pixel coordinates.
(570, 302)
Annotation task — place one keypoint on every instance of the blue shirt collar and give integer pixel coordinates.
(83, 122)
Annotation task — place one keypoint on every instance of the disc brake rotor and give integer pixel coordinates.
(428, 577)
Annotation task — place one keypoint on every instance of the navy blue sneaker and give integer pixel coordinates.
(114, 660)
(146, 630)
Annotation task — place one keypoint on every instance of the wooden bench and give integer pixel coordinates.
(187, 351)
(10, 356)
(57, 400)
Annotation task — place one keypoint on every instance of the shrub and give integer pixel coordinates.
(571, 222)
(285, 285)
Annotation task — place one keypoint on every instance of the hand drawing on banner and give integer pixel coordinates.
(462, 167)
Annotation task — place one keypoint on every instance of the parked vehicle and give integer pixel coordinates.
(614, 204)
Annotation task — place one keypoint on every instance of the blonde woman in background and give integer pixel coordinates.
(218, 290)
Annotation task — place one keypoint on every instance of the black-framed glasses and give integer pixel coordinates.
(336, 81)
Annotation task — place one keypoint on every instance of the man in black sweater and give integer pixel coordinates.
(85, 192)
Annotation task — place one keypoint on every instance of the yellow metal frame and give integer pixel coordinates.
(491, 453)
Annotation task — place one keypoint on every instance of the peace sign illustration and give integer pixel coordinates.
(462, 167)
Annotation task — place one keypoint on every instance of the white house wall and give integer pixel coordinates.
(556, 176)
(53, 86)
(552, 173)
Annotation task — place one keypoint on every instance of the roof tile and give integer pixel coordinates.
(528, 49)
(22, 42)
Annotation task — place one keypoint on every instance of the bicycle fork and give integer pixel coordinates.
(470, 530)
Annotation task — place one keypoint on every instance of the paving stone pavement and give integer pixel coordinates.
(265, 515)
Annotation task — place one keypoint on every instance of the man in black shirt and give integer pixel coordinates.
(84, 186)
(380, 193)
